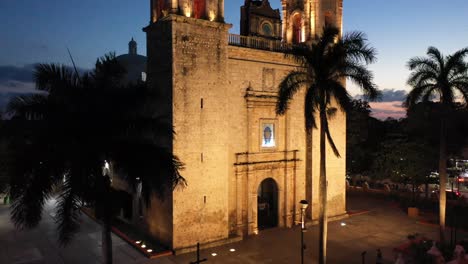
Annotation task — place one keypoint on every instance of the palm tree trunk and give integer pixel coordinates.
(106, 237)
(106, 241)
(323, 225)
(309, 171)
(442, 177)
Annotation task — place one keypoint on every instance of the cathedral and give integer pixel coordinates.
(246, 168)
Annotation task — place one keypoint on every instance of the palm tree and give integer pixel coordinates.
(441, 76)
(326, 63)
(78, 124)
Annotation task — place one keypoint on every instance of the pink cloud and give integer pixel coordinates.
(383, 110)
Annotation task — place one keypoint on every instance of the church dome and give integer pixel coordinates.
(134, 64)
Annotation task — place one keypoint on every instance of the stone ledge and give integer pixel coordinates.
(217, 243)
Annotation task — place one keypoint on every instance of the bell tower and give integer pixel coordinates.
(304, 19)
(187, 48)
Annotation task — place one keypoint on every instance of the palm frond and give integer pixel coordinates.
(54, 79)
(29, 107)
(464, 93)
(29, 189)
(330, 139)
(436, 55)
(363, 77)
(421, 76)
(310, 107)
(68, 212)
(288, 87)
(426, 64)
(455, 61)
(357, 49)
(343, 98)
(416, 93)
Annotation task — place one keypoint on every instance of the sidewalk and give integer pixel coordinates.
(384, 227)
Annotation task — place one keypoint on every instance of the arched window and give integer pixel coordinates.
(297, 29)
(160, 6)
(267, 29)
(199, 7)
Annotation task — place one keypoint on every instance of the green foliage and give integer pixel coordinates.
(403, 161)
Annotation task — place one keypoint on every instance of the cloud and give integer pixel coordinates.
(384, 110)
(389, 105)
(389, 95)
(10, 73)
(12, 86)
(15, 81)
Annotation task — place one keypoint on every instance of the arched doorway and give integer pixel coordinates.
(267, 204)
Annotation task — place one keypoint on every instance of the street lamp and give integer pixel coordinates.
(304, 205)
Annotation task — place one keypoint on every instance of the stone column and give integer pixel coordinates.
(240, 230)
(285, 23)
(174, 6)
(220, 11)
(152, 11)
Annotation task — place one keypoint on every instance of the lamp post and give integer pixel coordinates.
(304, 205)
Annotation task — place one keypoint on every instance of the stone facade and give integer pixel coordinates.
(220, 98)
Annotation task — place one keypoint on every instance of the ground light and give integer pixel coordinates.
(232, 250)
(343, 224)
(149, 250)
(214, 254)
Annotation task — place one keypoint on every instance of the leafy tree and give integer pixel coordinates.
(78, 124)
(441, 76)
(401, 160)
(363, 136)
(327, 63)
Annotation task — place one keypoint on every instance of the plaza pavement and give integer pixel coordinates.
(384, 227)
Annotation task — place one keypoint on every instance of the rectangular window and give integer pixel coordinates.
(268, 135)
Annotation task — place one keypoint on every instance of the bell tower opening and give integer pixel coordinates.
(212, 10)
(297, 29)
(199, 7)
(329, 19)
(305, 19)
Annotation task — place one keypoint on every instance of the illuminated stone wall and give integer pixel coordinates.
(218, 97)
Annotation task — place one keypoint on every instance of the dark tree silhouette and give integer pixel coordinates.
(440, 76)
(79, 123)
